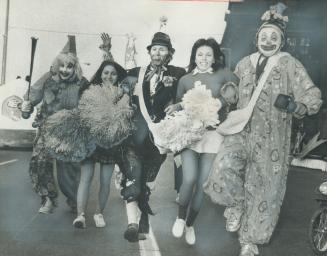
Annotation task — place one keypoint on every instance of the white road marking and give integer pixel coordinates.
(8, 162)
(149, 247)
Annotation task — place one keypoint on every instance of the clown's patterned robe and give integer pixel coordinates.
(249, 173)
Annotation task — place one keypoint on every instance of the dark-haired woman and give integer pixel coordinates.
(109, 75)
(207, 65)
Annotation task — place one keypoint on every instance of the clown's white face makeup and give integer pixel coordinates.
(158, 54)
(66, 70)
(269, 41)
(204, 58)
(109, 75)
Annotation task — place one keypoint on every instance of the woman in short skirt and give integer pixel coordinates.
(206, 67)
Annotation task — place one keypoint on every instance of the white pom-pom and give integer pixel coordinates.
(188, 126)
(200, 105)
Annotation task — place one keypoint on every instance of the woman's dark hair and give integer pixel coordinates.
(218, 55)
(121, 72)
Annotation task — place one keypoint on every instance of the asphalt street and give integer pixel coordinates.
(25, 232)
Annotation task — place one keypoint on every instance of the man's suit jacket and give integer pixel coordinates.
(163, 95)
(146, 150)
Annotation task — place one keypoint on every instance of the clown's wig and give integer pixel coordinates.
(67, 58)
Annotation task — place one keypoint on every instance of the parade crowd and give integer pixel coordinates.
(231, 130)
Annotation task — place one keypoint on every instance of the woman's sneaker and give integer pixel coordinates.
(178, 228)
(190, 235)
(99, 220)
(47, 206)
(79, 222)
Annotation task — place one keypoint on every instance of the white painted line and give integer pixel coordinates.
(149, 246)
(8, 162)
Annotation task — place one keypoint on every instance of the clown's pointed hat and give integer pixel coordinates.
(70, 46)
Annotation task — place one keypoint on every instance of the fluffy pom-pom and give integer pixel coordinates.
(67, 139)
(107, 112)
(199, 104)
(177, 132)
(186, 127)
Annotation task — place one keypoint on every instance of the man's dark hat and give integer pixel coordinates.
(160, 38)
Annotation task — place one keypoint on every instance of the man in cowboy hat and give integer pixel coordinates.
(157, 84)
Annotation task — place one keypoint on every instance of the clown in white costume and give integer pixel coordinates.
(250, 171)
